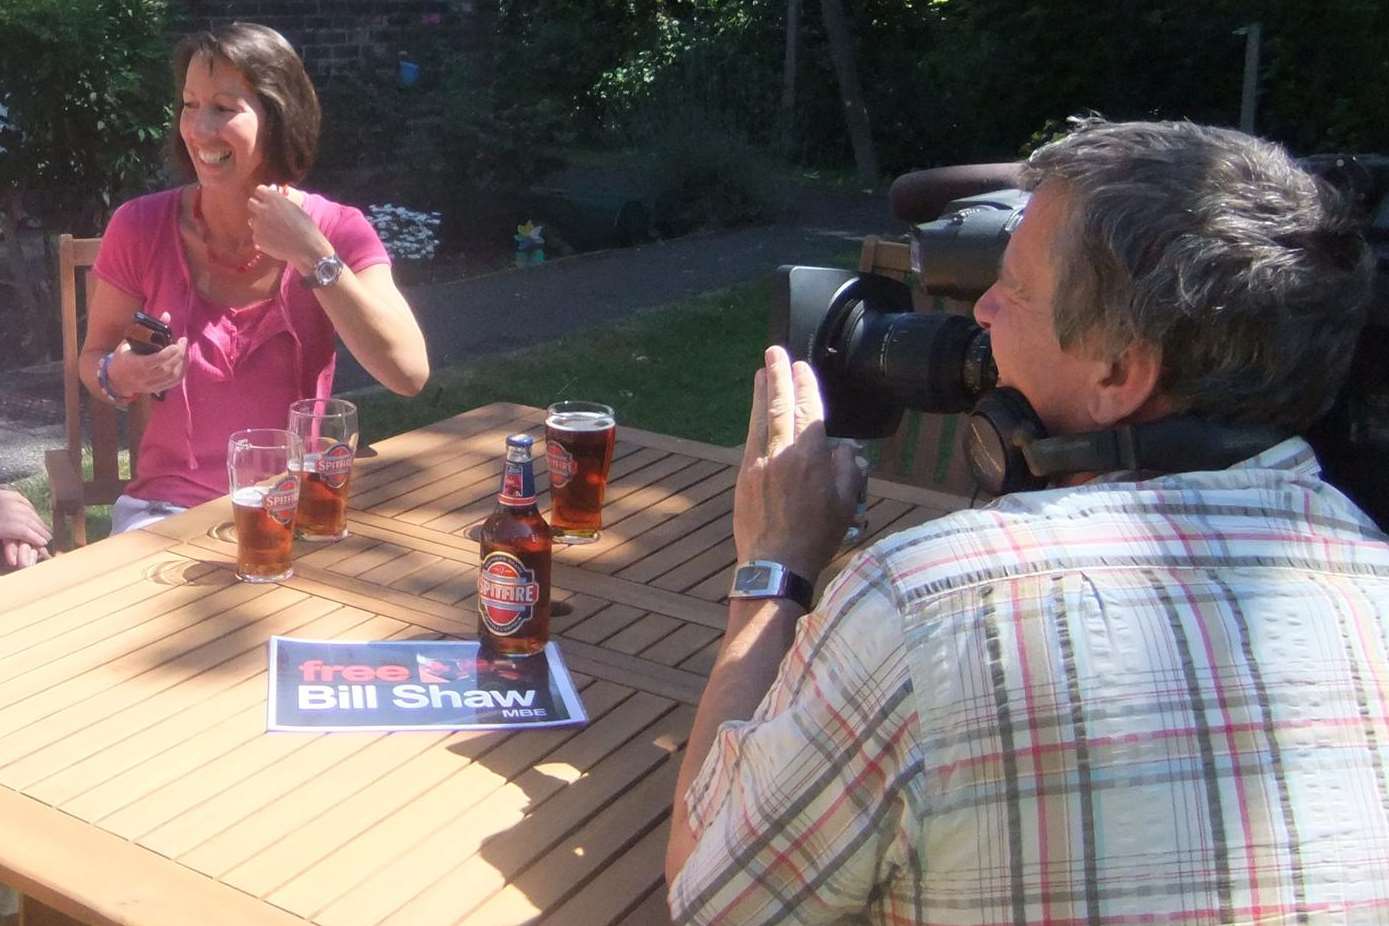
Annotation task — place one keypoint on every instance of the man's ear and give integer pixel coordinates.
(1126, 388)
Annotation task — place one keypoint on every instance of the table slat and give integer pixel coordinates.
(51, 578)
(557, 875)
(359, 816)
(95, 728)
(559, 811)
(488, 798)
(104, 881)
(630, 889)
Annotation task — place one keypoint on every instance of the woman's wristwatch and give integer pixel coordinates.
(325, 272)
(761, 578)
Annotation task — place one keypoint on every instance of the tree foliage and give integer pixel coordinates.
(85, 86)
(987, 73)
(954, 80)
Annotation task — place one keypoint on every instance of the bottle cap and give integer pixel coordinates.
(519, 449)
(518, 474)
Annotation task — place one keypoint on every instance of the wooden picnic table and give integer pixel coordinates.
(138, 784)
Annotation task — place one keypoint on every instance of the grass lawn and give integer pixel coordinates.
(683, 369)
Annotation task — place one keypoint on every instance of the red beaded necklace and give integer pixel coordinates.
(257, 255)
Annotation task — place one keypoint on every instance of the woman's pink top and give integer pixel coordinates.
(245, 364)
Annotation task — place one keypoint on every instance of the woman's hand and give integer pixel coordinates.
(133, 374)
(282, 229)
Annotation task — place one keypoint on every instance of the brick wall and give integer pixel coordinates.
(337, 35)
(351, 49)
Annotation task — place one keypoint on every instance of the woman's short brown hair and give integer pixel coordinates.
(276, 74)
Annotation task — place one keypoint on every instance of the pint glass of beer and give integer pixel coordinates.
(263, 466)
(579, 449)
(328, 430)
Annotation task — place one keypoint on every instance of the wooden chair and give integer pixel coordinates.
(885, 256)
(72, 491)
(33, 913)
(925, 451)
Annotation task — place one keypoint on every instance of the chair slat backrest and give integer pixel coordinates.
(75, 257)
(886, 257)
(925, 451)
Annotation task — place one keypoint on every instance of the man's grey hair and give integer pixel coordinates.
(1249, 273)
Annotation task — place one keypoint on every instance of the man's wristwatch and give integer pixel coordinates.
(325, 272)
(760, 578)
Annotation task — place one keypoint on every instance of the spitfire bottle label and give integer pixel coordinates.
(507, 593)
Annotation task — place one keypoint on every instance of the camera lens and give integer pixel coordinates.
(934, 363)
(873, 355)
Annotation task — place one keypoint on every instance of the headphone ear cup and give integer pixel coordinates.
(1000, 424)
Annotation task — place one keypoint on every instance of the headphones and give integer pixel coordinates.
(1008, 450)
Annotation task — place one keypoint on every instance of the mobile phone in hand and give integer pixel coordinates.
(148, 335)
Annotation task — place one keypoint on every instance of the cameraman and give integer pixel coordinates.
(1127, 697)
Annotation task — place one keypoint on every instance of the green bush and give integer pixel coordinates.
(365, 114)
(712, 60)
(85, 96)
(950, 81)
(87, 88)
(702, 174)
(495, 142)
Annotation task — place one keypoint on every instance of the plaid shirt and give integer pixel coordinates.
(1157, 702)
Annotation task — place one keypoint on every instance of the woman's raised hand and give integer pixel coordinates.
(282, 229)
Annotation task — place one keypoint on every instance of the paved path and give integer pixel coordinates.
(504, 311)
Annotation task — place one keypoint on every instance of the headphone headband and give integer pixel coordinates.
(1170, 445)
(1008, 450)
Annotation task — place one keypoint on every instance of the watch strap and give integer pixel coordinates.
(799, 589)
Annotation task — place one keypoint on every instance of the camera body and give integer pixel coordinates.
(875, 356)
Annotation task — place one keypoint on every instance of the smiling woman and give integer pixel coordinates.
(257, 278)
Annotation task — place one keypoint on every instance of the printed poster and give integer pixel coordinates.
(321, 685)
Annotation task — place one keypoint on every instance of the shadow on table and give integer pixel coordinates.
(187, 573)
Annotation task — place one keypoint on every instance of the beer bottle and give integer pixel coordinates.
(513, 583)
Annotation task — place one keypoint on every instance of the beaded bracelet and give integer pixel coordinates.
(103, 380)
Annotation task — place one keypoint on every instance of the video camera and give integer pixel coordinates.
(876, 357)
